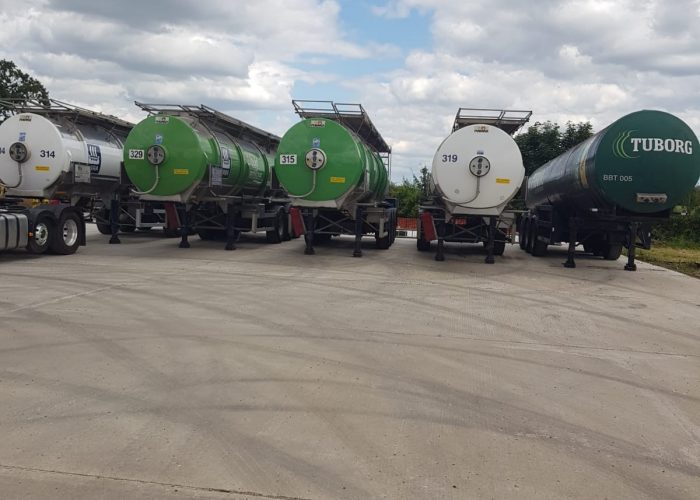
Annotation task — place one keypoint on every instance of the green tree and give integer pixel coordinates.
(575, 133)
(410, 193)
(16, 84)
(545, 141)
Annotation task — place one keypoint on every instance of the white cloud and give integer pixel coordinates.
(238, 54)
(573, 60)
(580, 60)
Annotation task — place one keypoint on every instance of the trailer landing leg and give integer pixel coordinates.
(632, 249)
(185, 229)
(489, 244)
(440, 254)
(309, 234)
(230, 228)
(114, 209)
(570, 263)
(357, 252)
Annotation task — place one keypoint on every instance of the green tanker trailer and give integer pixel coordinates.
(332, 164)
(217, 170)
(605, 192)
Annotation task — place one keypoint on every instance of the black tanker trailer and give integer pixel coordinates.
(605, 192)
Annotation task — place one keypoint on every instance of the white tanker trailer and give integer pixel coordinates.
(62, 153)
(58, 151)
(476, 171)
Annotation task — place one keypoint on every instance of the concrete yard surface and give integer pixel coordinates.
(142, 370)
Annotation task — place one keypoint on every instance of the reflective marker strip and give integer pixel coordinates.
(181, 171)
(337, 180)
(42, 168)
(502, 181)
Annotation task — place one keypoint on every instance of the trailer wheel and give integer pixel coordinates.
(539, 248)
(499, 244)
(276, 235)
(383, 243)
(104, 227)
(612, 252)
(43, 231)
(392, 225)
(206, 234)
(522, 232)
(529, 240)
(322, 238)
(421, 244)
(286, 229)
(66, 239)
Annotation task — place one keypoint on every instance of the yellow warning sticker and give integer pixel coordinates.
(181, 171)
(337, 180)
(500, 180)
(42, 168)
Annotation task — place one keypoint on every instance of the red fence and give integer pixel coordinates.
(407, 223)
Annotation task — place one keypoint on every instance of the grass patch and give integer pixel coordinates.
(684, 259)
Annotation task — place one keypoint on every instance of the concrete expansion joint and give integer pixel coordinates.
(153, 483)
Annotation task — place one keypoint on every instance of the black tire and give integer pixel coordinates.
(68, 234)
(206, 234)
(126, 224)
(526, 233)
(287, 230)
(599, 248)
(539, 248)
(529, 241)
(383, 243)
(41, 235)
(104, 227)
(522, 230)
(612, 251)
(276, 235)
(499, 247)
(499, 243)
(393, 220)
(322, 239)
(421, 244)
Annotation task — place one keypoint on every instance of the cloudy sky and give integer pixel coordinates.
(411, 63)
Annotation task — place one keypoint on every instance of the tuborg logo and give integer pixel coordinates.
(628, 147)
